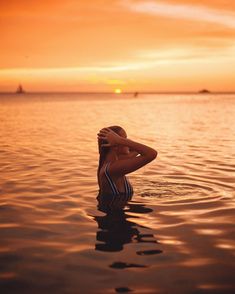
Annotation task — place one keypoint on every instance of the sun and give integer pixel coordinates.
(117, 91)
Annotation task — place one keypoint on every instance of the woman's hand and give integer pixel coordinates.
(110, 136)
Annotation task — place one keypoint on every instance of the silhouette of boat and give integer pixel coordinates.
(20, 90)
(204, 91)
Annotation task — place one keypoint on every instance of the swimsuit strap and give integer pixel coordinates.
(131, 188)
(128, 188)
(112, 184)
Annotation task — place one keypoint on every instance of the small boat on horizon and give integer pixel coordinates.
(204, 91)
(20, 90)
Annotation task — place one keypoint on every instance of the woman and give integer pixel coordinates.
(119, 156)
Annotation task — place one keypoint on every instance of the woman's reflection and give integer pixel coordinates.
(115, 228)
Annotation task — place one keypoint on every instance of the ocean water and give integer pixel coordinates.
(176, 235)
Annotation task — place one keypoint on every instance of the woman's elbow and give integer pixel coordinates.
(156, 153)
(152, 155)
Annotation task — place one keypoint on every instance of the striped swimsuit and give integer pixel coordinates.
(128, 188)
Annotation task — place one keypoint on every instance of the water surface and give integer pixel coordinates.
(175, 236)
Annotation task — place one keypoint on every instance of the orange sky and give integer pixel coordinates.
(100, 45)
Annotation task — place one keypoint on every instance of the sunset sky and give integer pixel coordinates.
(102, 45)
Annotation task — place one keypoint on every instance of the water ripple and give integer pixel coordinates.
(180, 222)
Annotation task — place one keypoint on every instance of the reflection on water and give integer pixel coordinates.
(117, 230)
(176, 235)
(111, 203)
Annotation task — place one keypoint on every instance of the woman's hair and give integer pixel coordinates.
(104, 150)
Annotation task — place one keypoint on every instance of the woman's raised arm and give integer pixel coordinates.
(125, 166)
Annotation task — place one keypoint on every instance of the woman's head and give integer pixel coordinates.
(118, 130)
(103, 151)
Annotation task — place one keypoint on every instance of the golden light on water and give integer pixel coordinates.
(180, 216)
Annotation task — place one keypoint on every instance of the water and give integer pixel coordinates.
(175, 236)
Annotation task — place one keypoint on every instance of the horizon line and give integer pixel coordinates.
(203, 91)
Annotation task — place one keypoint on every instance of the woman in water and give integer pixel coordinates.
(118, 156)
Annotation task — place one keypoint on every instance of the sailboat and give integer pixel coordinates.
(20, 90)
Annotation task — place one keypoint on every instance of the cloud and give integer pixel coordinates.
(144, 60)
(183, 11)
(70, 71)
(185, 53)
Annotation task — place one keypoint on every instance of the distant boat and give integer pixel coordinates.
(136, 94)
(20, 90)
(204, 91)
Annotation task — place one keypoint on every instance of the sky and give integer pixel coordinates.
(103, 45)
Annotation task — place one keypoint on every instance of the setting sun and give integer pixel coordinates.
(118, 91)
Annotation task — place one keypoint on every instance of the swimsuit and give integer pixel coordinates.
(128, 188)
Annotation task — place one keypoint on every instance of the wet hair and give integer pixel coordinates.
(104, 150)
